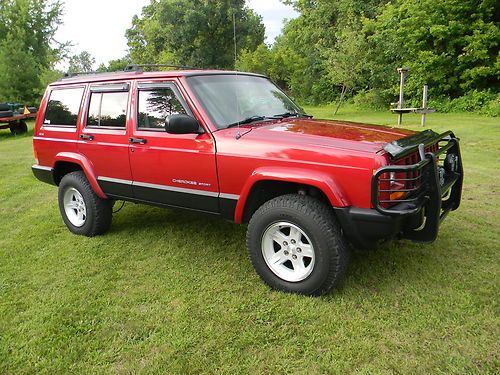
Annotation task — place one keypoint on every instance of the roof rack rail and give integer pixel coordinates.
(138, 67)
(72, 74)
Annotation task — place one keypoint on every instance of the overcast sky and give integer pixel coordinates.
(98, 26)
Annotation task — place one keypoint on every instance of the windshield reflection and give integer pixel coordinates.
(231, 99)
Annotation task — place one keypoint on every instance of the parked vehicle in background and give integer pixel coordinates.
(13, 116)
(232, 144)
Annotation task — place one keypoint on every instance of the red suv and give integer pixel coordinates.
(234, 145)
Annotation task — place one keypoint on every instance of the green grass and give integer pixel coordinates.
(171, 292)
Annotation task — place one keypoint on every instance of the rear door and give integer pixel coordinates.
(103, 137)
(172, 169)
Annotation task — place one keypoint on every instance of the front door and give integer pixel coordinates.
(172, 169)
(103, 137)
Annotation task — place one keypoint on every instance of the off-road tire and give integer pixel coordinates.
(318, 222)
(98, 210)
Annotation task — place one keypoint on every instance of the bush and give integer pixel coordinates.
(370, 99)
(484, 102)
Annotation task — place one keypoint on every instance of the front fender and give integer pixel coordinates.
(319, 180)
(87, 168)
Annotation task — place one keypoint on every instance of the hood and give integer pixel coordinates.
(345, 134)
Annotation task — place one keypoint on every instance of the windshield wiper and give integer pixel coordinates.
(292, 114)
(250, 119)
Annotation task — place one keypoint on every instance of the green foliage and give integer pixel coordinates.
(115, 65)
(371, 98)
(258, 61)
(484, 102)
(27, 51)
(49, 76)
(82, 62)
(308, 55)
(450, 45)
(190, 32)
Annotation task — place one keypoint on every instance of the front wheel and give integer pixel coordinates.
(296, 245)
(82, 210)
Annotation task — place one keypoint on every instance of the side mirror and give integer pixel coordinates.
(182, 124)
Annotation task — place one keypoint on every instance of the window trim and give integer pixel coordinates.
(91, 92)
(150, 86)
(78, 115)
(110, 87)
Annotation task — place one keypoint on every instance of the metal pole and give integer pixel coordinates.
(424, 103)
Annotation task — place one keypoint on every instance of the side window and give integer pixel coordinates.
(63, 106)
(107, 109)
(155, 105)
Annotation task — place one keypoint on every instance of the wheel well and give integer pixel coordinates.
(62, 168)
(264, 191)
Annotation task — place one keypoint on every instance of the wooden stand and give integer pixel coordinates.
(400, 110)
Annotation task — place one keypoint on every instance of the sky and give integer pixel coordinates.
(108, 19)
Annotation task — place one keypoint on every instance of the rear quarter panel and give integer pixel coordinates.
(50, 140)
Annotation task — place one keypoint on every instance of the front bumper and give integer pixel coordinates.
(418, 215)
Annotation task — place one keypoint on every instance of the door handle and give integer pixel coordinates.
(137, 140)
(88, 137)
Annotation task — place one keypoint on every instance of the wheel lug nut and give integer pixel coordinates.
(292, 241)
(285, 243)
(285, 252)
(294, 256)
(299, 250)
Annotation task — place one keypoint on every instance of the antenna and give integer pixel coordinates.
(238, 135)
(234, 38)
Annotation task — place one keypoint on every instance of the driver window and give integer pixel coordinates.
(155, 105)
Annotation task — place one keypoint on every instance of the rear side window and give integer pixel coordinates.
(107, 109)
(63, 107)
(154, 107)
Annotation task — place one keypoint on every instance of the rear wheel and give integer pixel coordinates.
(296, 245)
(18, 127)
(82, 210)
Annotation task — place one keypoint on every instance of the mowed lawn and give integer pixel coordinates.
(171, 292)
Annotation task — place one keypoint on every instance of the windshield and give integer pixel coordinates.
(231, 99)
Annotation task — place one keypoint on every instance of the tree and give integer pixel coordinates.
(193, 32)
(257, 61)
(27, 47)
(83, 62)
(308, 46)
(450, 45)
(115, 65)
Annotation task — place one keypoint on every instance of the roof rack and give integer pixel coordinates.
(138, 67)
(72, 74)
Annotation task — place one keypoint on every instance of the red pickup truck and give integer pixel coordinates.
(233, 144)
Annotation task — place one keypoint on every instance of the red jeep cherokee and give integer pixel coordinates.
(234, 145)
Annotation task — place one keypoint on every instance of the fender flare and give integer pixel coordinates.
(86, 166)
(319, 180)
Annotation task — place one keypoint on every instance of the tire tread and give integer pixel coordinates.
(102, 217)
(324, 217)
